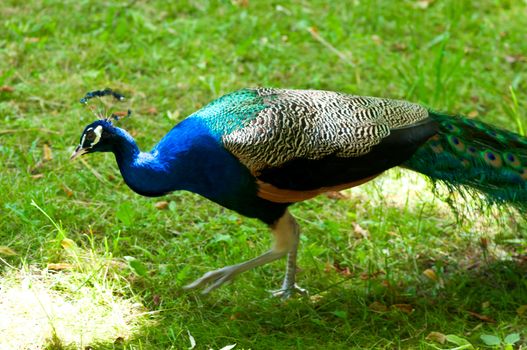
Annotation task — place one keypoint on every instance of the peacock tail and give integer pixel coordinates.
(466, 153)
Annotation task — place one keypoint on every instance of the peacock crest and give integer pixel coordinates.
(101, 109)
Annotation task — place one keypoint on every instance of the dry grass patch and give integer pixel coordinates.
(42, 309)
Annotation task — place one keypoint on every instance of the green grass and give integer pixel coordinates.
(466, 57)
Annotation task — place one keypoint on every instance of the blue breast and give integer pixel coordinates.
(193, 159)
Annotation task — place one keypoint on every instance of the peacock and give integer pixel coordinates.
(257, 151)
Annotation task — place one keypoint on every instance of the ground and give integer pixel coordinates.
(86, 263)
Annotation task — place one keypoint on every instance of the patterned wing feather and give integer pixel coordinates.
(311, 124)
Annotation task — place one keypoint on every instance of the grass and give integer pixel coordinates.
(410, 267)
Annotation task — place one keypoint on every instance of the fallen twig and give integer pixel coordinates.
(330, 47)
(94, 172)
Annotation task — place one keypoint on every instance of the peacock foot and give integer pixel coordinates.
(214, 278)
(287, 292)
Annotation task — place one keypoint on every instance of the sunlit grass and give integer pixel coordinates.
(77, 301)
(39, 308)
(64, 309)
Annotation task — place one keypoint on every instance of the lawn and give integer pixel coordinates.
(86, 263)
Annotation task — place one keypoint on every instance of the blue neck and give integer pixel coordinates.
(187, 158)
(143, 172)
(191, 158)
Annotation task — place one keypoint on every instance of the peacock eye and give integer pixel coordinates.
(90, 136)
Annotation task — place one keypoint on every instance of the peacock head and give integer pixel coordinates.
(99, 136)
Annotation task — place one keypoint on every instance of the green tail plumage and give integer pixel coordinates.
(478, 156)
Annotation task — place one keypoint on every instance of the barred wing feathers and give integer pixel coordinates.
(305, 142)
(312, 124)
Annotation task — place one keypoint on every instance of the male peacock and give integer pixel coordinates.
(257, 151)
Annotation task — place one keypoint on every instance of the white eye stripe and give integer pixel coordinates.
(98, 135)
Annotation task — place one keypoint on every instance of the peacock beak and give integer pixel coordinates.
(79, 151)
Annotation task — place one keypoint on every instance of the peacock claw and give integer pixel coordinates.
(287, 292)
(214, 278)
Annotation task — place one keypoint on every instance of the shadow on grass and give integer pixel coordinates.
(352, 314)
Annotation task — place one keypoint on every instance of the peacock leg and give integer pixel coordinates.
(289, 287)
(286, 234)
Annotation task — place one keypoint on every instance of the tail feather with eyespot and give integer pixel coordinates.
(469, 154)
